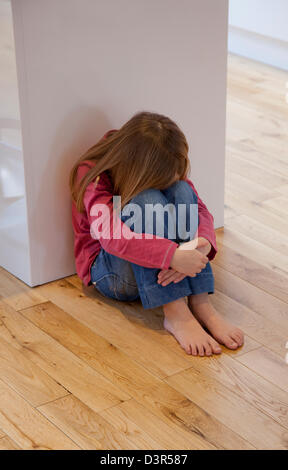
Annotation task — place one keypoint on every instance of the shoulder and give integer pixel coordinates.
(83, 168)
(101, 182)
(190, 184)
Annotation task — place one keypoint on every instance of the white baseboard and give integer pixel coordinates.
(258, 47)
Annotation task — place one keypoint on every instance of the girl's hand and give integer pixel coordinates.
(203, 245)
(166, 276)
(188, 259)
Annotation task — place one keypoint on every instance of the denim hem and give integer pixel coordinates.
(203, 284)
(156, 295)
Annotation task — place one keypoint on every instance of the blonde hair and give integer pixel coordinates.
(148, 151)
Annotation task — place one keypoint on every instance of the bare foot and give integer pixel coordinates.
(227, 334)
(189, 333)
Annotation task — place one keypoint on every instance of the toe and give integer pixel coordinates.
(187, 348)
(240, 335)
(237, 338)
(208, 349)
(193, 349)
(215, 347)
(200, 350)
(230, 343)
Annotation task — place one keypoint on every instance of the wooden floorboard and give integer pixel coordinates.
(79, 371)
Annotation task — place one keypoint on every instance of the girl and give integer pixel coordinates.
(145, 163)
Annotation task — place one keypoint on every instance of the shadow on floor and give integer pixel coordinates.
(133, 311)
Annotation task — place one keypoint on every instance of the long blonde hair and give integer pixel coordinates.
(148, 151)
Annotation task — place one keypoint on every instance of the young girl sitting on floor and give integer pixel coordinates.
(143, 166)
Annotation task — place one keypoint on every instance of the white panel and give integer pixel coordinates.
(14, 243)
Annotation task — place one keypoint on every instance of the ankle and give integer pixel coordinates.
(176, 309)
(199, 299)
(178, 303)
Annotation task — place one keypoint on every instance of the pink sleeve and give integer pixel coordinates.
(206, 224)
(152, 252)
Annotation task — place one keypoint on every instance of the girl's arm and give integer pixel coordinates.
(206, 224)
(152, 252)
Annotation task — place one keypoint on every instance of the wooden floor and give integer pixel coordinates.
(78, 371)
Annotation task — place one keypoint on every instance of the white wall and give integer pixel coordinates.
(14, 243)
(85, 66)
(258, 29)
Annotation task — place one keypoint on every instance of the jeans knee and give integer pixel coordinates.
(149, 196)
(181, 191)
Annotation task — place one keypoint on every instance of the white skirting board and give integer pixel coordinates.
(256, 46)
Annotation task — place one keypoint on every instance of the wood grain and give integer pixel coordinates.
(155, 395)
(195, 419)
(87, 428)
(269, 365)
(7, 444)
(257, 389)
(65, 367)
(16, 293)
(230, 409)
(93, 312)
(266, 305)
(264, 331)
(26, 426)
(26, 378)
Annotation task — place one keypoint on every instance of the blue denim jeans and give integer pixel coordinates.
(119, 279)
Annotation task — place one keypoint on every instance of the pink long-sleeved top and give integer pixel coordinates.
(153, 252)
